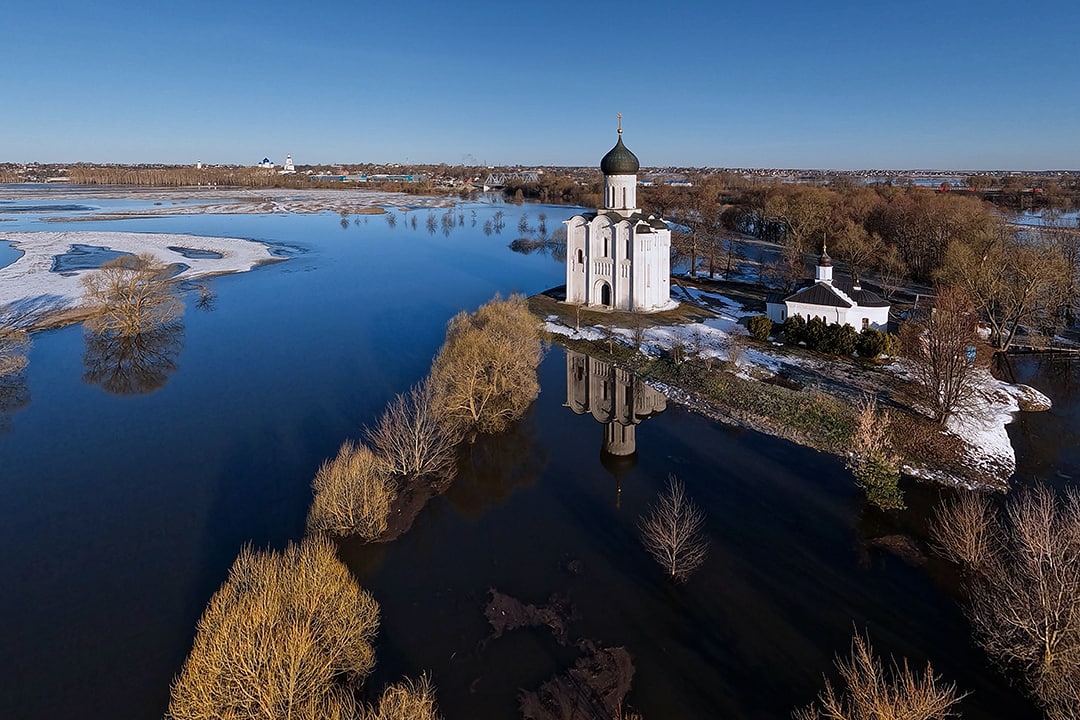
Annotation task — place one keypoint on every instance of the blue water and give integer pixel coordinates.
(131, 478)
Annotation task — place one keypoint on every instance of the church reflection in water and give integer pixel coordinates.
(618, 400)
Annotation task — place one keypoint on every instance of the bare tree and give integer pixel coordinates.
(672, 532)
(966, 530)
(936, 350)
(871, 692)
(353, 493)
(413, 437)
(288, 635)
(484, 376)
(131, 295)
(1023, 564)
(406, 700)
(1012, 280)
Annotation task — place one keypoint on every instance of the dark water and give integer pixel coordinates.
(1047, 444)
(126, 492)
(84, 257)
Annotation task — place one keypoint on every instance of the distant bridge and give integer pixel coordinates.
(499, 179)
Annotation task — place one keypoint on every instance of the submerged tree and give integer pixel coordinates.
(672, 532)
(484, 377)
(353, 493)
(871, 692)
(405, 700)
(413, 436)
(288, 635)
(14, 344)
(131, 295)
(1023, 565)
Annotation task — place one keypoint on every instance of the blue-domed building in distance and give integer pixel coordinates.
(619, 257)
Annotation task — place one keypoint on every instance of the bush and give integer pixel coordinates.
(873, 343)
(839, 340)
(1022, 561)
(794, 329)
(814, 333)
(760, 327)
(872, 461)
(879, 479)
(288, 635)
(413, 437)
(353, 493)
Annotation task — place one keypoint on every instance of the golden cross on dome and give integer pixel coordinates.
(619, 115)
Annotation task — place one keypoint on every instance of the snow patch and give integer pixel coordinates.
(30, 281)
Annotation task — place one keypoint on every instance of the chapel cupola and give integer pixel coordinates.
(824, 266)
(620, 167)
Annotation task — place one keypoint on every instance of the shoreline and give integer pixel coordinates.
(985, 459)
(226, 201)
(34, 296)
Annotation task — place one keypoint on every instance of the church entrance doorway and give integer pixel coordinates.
(605, 295)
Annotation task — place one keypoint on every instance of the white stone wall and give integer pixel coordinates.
(620, 193)
(877, 317)
(607, 252)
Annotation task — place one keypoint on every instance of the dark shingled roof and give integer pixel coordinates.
(620, 161)
(819, 294)
(865, 298)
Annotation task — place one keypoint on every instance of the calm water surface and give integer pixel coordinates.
(126, 495)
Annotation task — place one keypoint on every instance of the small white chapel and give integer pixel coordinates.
(619, 257)
(842, 302)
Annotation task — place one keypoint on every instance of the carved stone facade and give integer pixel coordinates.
(619, 257)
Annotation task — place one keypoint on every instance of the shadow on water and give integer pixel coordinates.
(132, 364)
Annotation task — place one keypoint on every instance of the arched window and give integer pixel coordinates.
(580, 257)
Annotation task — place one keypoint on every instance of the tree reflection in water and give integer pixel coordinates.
(490, 469)
(14, 396)
(132, 364)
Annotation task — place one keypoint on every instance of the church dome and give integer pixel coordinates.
(620, 161)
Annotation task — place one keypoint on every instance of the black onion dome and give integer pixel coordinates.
(620, 161)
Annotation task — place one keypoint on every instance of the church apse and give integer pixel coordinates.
(615, 398)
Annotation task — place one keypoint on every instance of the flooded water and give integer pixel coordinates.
(131, 476)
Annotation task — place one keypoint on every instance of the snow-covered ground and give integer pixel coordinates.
(29, 285)
(981, 427)
(230, 201)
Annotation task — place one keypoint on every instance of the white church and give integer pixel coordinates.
(840, 303)
(619, 257)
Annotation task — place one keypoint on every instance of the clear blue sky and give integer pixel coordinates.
(770, 83)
